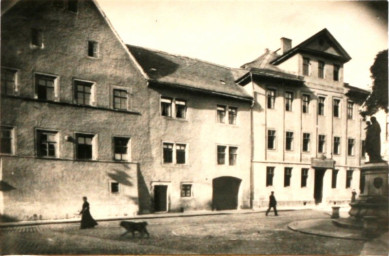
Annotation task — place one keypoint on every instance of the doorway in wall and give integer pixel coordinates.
(160, 198)
(225, 193)
(318, 189)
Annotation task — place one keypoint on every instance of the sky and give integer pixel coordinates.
(233, 32)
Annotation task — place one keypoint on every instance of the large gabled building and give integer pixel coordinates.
(307, 132)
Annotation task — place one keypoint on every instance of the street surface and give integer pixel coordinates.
(250, 233)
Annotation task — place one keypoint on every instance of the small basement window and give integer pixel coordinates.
(114, 187)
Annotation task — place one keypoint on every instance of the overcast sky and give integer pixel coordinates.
(233, 32)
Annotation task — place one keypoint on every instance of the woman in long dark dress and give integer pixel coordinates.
(86, 219)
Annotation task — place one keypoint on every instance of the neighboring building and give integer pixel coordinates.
(71, 121)
(307, 131)
(200, 135)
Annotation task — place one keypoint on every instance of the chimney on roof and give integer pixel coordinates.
(286, 44)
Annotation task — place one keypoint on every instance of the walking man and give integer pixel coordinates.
(272, 204)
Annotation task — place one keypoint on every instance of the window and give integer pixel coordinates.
(269, 176)
(322, 144)
(306, 100)
(289, 141)
(114, 187)
(334, 177)
(166, 107)
(167, 153)
(121, 151)
(186, 190)
(304, 177)
(336, 72)
(320, 108)
(288, 101)
(120, 99)
(271, 98)
(36, 37)
(287, 176)
(271, 139)
(350, 110)
(363, 150)
(349, 178)
(221, 114)
(180, 109)
(93, 49)
(8, 81)
(84, 146)
(73, 5)
(321, 69)
(336, 104)
(350, 147)
(306, 142)
(232, 155)
(45, 87)
(83, 93)
(180, 153)
(306, 64)
(336, 145)
(47, 144)
(232, 113)
(221, 154)
(6, 140)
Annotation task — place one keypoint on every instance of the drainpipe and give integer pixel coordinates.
(252, 145)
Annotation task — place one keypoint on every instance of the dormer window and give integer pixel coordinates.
(336, 72)
(306, 63)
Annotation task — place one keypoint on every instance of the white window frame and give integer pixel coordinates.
(92, 99)
(13, 139)
(174, 153)
(15, 90)
(38, 131)
(128, 155)
(56, 85)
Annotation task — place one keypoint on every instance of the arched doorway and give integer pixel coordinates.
(225, 193)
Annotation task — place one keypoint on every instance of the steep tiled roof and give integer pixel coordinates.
(189, 73)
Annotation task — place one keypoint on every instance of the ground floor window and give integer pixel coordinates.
(304, 177)
(349, 178)
(287, 176)
(334, 178)
(114, 187)
(186, 190)
(269, 176)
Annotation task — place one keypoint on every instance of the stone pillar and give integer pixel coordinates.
(374, 200)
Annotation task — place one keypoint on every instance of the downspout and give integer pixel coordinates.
(252, 145)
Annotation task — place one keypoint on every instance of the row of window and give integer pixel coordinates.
(176, 108)
(304, 177)
(47, 88)
(320, 69)
(289, 97)
(289, 141)
(47, 145)
(185, 189)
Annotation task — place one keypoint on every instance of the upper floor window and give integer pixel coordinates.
(120, 99)
(221, 155)
(47, 143)
(84, 146)
(232, 114)
(8, 81)
(269, 176)
(173, 108)
(336, 106)
(221, 114)
(322, 143)
(287, 176)
(336, 145)
(83, 92)
(306, 64)
(121, 151)
(289, 141)
(186, 190)
(336, 72)
(166, 106)
(334, 178)
(288, 101)
(36, 38)
(350, 110)
(320, 107)
(321, 69)
(73, 5)
(304, 177)
(45, 87)
(349, 178)
(178, 158)
(350, 148)
(306, 141)
(180, 153)
(271, 139)
(180, 109)
(168, 153)
(93, 49)
(271, 98)
(232, 155)
(306, 100)
(6, 140)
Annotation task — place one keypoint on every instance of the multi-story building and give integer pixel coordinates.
(307, 131)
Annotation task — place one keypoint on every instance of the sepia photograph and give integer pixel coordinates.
(157, 127)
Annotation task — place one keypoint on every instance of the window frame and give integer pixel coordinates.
(287, 176)
(289, 96)
(350, 151)
(178, 150)
(334, 178)
(178, 102)
(46, 77)
(221, 154)
(290, 141)
(166, 101)
(306, 139)
(336, 108)
(321, 69)
(221, 114)
(36, 38)
(232, 115)
(120, 97)
(321, 143)
(183, 192)
(336, 72)
(232, 156)
(350, 110)
(269, 175)
(306, 66)
(123, 157)
(349, 177)
(93, 146)
(111, 187)
(84, 83)
(337, 144)
(304, 177)
(321, 105)
(274, 136)
(168, 149)
(305, 104)
(39, 132)
(93, 47)
(271, 95)
(11, 139)
(14, 82)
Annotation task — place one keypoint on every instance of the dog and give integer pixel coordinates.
(131, 226)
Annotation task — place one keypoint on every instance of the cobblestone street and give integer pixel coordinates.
(250, 233)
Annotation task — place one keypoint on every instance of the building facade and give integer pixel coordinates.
(307, 131)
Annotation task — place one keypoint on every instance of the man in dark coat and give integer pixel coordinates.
(272, 204)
